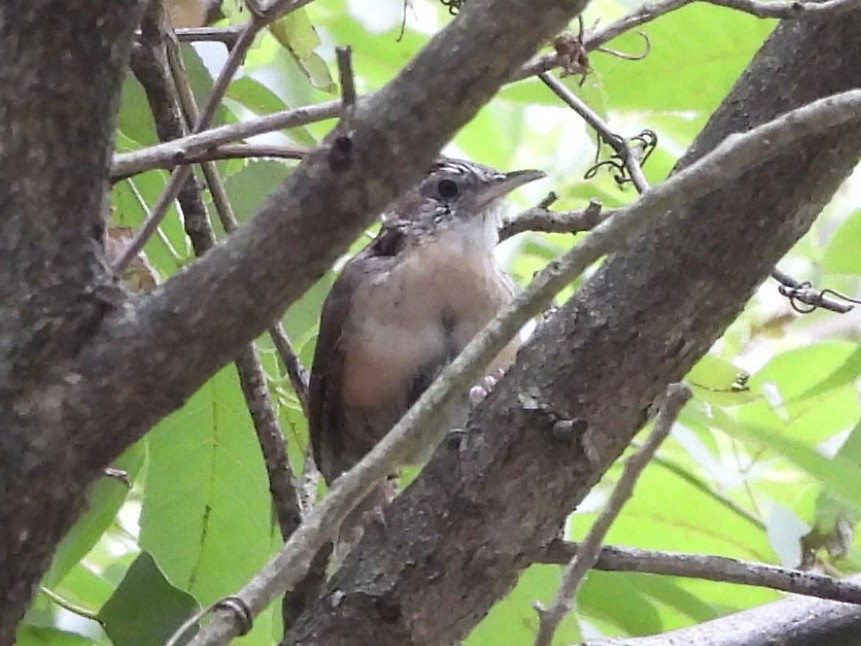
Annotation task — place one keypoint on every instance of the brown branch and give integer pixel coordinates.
(587, 552)
(795, 290)
(157, 64)
(710, 568)
(296, 372)
(174, 152)
(56, 134)
(150, 66)
(595, 40)
(786, 10)
(189, 148)
(224, 151)
(540, 219)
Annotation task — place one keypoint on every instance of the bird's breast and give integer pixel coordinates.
(420, 312)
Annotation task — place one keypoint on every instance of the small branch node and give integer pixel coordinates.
(240, 609)
(548, 201)
(344, 56)
(341, 153)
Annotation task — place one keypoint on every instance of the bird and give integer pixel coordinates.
(403, 308)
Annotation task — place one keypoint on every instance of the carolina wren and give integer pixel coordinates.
(405, 306)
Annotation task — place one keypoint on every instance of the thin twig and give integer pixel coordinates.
(174, 152)
(421, 427)
(540, 219)
(709, 568)
(786, 10)
(251, 376)
(226, 35)
(795, 290)
(252, 380)
(605, 134)
(296, 372)
(588, 550)
(344, 56)
(224, 151)
(149, 63)
(649, 11)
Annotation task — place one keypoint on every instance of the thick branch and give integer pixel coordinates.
(59, 91)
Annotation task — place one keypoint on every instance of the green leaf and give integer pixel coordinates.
(84, 587)
(610, 597)
(28, 635)
(103, 502)
(845, 373)
(833, 520)
(838, 474)
(797, 372)
(697, 53)
(297, 35)
(249, 187)
(207, 511)
(255, 96)
(841, 256)
(135, 119)
(146, 609)
(670, 592)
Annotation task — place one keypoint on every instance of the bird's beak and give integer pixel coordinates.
(502, 184)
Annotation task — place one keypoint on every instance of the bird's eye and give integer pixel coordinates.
(447, 188)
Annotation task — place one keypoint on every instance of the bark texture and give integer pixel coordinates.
(457, 539)
(59, 87)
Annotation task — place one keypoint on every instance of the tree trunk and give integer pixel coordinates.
(63, 64)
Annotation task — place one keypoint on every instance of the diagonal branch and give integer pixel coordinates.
(711, 568)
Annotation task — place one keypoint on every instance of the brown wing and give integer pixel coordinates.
(327, 422)
(325, 419)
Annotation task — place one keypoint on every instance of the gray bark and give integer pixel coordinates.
(457, 539)
(62, 64)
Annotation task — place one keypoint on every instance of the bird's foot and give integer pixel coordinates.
(482, 389)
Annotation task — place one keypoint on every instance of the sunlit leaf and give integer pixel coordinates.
(841, 256)
(298, 36)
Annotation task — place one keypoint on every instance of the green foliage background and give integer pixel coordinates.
(746, 473)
